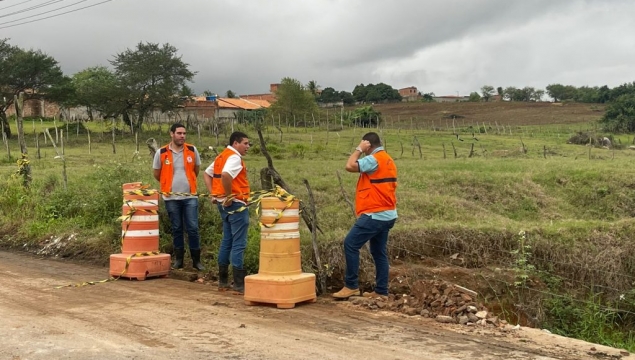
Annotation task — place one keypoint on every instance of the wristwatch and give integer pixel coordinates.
(359, 149)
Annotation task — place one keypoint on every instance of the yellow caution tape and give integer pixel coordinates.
(112, 278)
(255, 197)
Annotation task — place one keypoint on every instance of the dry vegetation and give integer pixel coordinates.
(503, 113)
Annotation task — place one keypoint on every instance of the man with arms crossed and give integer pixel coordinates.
(176, 166)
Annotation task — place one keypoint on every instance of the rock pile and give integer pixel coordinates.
(443, 301)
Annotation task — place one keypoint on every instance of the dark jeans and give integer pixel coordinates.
(184, 213)
(375, 231)
(234, 242)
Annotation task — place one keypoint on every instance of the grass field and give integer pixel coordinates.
(513, 171)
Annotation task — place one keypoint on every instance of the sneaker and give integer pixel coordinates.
(374, 295)
(345, 293)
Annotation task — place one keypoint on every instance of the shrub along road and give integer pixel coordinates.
(172, 319)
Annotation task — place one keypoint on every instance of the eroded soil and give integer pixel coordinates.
(170, 319)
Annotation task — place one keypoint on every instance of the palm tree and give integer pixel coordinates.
(313, 87)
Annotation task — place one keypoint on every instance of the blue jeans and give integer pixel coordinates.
(234, 242)
(184, 213)
(375, 231)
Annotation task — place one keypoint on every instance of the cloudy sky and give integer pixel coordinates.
(447, 47)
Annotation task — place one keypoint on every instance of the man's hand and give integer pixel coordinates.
(364, 145)
(227, 202)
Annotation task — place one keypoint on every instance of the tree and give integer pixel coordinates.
(487, 91)
(537, 95)
(329, 95)
(151, 76)
(604, 94)
(186, 92)
(526, 93)
(97, 89)
(230, 94)
(388, 93)
(511, 93)
(376, 93)
(347, 98)
(620, 114)
(427, 97)
(616, 92)
(208, 93)
(366, 116)
(29, 71)
(359, 93)
(500, 92)
(373, 95)
(474, 97)
(313, 88)
(293, 99)
(561, 92)
(586, 94)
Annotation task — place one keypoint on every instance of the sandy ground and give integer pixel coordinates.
(174, 319)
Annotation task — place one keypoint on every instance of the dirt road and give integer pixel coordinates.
(173, 319)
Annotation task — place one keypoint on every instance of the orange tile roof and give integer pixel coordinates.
(236, 103)
(268, 97)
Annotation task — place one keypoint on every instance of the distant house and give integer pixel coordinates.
(450, 98)
(37, 108)
(269, 97)
(221, 107)
(227, 108)
(337, 104)
(200, 107)
(409, 94)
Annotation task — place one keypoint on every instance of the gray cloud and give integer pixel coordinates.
(440, 46)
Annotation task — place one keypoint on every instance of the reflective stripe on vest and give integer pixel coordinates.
(377, 191)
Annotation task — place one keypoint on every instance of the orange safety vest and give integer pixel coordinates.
(167, 169)
(377, 191)
(240, 184)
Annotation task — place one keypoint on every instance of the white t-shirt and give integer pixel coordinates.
(233, 166)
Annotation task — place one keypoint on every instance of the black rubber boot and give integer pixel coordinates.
(239, 280)
(178, 258)
(223, 278)
(196, 260)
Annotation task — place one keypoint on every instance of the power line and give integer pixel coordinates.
(47, 3)
(10, 6)
(52, 16)
(42, 13)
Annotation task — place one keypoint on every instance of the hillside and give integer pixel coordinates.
(503, 113)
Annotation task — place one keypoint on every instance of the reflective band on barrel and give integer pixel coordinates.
(282, 226)
(140, 233)
(280, 236)
(141, 202)
(276, 213)
(144, 218)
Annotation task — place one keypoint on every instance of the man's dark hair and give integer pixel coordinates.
(373, 139)
(176, 126)
(237, 136)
